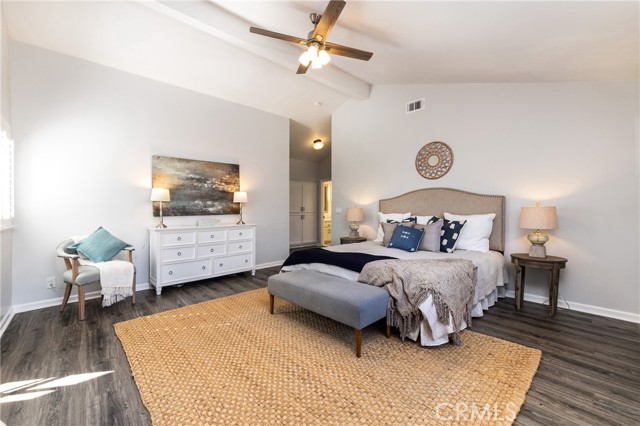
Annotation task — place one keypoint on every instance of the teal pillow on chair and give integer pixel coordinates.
(99, 246)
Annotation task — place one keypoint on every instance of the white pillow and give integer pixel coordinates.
(475, 232)
(383, 217)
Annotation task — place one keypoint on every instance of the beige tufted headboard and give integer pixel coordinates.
(436, 201)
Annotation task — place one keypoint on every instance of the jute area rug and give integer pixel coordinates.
(229, 362)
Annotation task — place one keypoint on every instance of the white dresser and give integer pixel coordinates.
(183, 254)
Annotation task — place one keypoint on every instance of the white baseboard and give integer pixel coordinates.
(270, 264)
(57, 301)
(581, 307)
(6, 319)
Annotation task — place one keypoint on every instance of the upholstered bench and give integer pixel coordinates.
(351, 303)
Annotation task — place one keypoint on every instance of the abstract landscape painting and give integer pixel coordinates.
(196, 187)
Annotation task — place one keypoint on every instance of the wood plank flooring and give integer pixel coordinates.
(589, 373)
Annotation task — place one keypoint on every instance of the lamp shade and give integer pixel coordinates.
(240, 197)
(539, 217)
(160, 194)
(355, 214)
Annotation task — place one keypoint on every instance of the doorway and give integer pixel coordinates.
(325, 201)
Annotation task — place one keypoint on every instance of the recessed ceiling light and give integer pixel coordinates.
(317, 104)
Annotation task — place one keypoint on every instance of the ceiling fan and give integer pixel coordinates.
(318, 48)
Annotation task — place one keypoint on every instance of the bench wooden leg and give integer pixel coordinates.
(271, 304)
(358, 343)
(387, 331)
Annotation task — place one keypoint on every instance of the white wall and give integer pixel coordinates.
(85, 135)
(573, 145)
(6, 235)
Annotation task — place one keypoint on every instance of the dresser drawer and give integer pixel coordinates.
(178, 253)
(210, 250)
(240, 234)
(240, 247)
(186, 271)
(212, 236)
(231, 263)
(177, 238)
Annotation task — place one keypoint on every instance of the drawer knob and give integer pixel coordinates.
(204, 267)
(246, 261)
(213, 236)
(240, 234)
(240, 246)
(221, 265)
(179, 238)
(212, 250)
(170, 272)
(179, 253)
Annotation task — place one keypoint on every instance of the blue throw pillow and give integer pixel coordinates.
(99, 246)
(406, 238)
(449, 235)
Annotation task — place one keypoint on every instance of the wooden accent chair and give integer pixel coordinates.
(81, 275)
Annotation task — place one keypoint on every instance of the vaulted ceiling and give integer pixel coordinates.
(205, 46)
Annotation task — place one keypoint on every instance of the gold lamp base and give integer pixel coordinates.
(538, 239)
(354, 226)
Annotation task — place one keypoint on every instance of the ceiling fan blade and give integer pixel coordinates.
(349, 52)
(302, 69)
(279, 36)
(328, 20)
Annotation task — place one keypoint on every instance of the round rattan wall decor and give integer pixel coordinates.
(434, 160)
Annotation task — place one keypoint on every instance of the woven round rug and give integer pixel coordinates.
(229, 362)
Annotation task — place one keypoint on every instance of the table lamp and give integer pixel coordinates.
(160, 194)
(538, 218)
(354, 215)
(240, 197)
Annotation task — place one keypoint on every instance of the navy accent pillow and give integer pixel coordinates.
(99, 246)
(449, 235)
(411, 219)
(406, 238)
(433, 219)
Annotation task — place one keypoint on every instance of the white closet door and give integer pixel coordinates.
(295, 197)
(295, 229)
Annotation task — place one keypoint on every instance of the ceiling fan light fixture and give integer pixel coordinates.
(318, 144)
(304, 59)
(324, 57)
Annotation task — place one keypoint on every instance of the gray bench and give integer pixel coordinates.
(351, 303)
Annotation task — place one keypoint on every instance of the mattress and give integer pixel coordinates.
(491, 279)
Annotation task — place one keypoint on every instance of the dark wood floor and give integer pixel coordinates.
(589, 373)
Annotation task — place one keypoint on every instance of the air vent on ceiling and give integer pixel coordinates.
(414, 106)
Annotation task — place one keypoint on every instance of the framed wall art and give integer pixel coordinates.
(197, 188)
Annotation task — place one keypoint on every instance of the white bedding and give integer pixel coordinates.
(490, 284)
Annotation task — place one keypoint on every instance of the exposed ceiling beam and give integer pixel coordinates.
(212, 19)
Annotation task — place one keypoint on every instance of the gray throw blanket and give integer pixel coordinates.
(451, 283)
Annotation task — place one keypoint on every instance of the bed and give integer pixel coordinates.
(492, 270)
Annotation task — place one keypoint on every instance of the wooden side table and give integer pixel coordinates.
(552, 264)
(351, 240)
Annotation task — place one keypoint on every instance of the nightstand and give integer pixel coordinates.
(552, 264)
(351, 240)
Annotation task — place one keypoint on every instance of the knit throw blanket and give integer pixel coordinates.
(450, 282)
(116, 278)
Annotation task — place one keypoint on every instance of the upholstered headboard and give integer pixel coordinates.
(436, 201)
